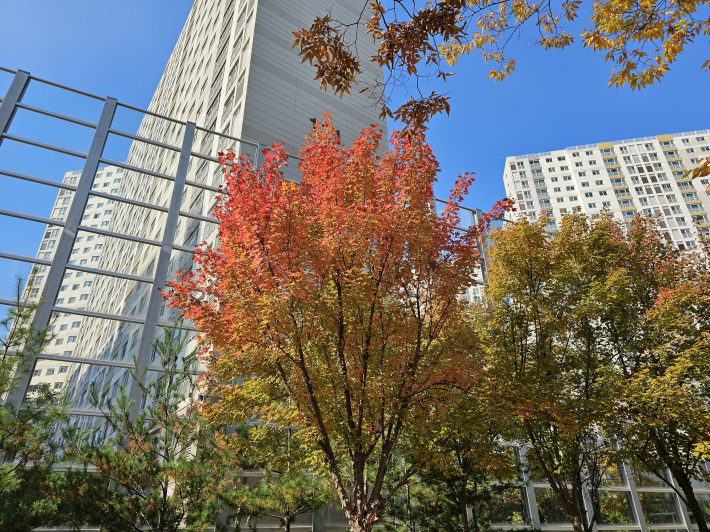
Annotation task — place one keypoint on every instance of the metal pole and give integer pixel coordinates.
(55, 275)
(161, 271)
(12, 98)
(638, 510)
(530, 493)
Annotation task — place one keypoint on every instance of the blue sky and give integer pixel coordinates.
(555, 99)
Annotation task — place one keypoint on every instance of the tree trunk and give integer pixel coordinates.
(577, 523)
(462, 507)
(686, 487)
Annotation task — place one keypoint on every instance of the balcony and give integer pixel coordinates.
(619, 183)
(611, 162)
(535, 165)
(622, 193)
(692, 196)
(673, 154)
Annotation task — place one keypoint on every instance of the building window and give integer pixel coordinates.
(63, 369)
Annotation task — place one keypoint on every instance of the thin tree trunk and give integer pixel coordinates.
(463, 509)
(686, 487)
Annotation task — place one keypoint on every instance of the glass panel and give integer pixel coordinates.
(659, 508)
(506, 506)
(644, 479)
(702, 484)
(549, 507)
(616, 508)
(534, 469)
(614, 476)
(704, 502)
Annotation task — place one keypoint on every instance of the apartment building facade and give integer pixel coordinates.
(233, 72)
(77, 285)
(625, 177)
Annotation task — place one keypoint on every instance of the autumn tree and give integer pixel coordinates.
(655, 307)
(333, 305)
(418, 39)
(540, 324)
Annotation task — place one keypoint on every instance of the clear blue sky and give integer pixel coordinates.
(119, 48)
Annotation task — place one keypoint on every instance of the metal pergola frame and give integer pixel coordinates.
(72, 223)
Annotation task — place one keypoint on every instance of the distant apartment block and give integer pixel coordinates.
(625, 177)
(77, 286)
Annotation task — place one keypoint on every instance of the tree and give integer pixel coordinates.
(159, 471)
(655, 309)
(418, 39)
(283, 496)
(468, 453)
(538, 319)
(333, 305)
(29, 435)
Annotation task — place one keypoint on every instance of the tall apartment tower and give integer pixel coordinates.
(625, 177)
(234, 73)
(77, 285)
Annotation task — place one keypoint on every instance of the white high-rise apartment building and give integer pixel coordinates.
(233, 71)
(77, 285)
(625, 177)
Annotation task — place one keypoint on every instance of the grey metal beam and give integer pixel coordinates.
(31, 217)
(66, 118)
(44, 145)
(55, 274)
(161, 271)
(100, 315)
(137, 169)
(130, 201)
(104, 362)
(122, 236)
(24, 258)
(108, 273)
(12, 98)
(143, 139)
(34, 179)
(638, 510)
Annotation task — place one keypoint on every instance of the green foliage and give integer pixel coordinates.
(160, 470)
(29, 435)
(281, 496)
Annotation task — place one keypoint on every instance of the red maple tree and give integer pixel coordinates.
(334, 305)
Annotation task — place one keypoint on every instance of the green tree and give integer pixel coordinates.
(30, 442)
(160, 470)
(539, 323)
(655, 307)
(283, 496)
